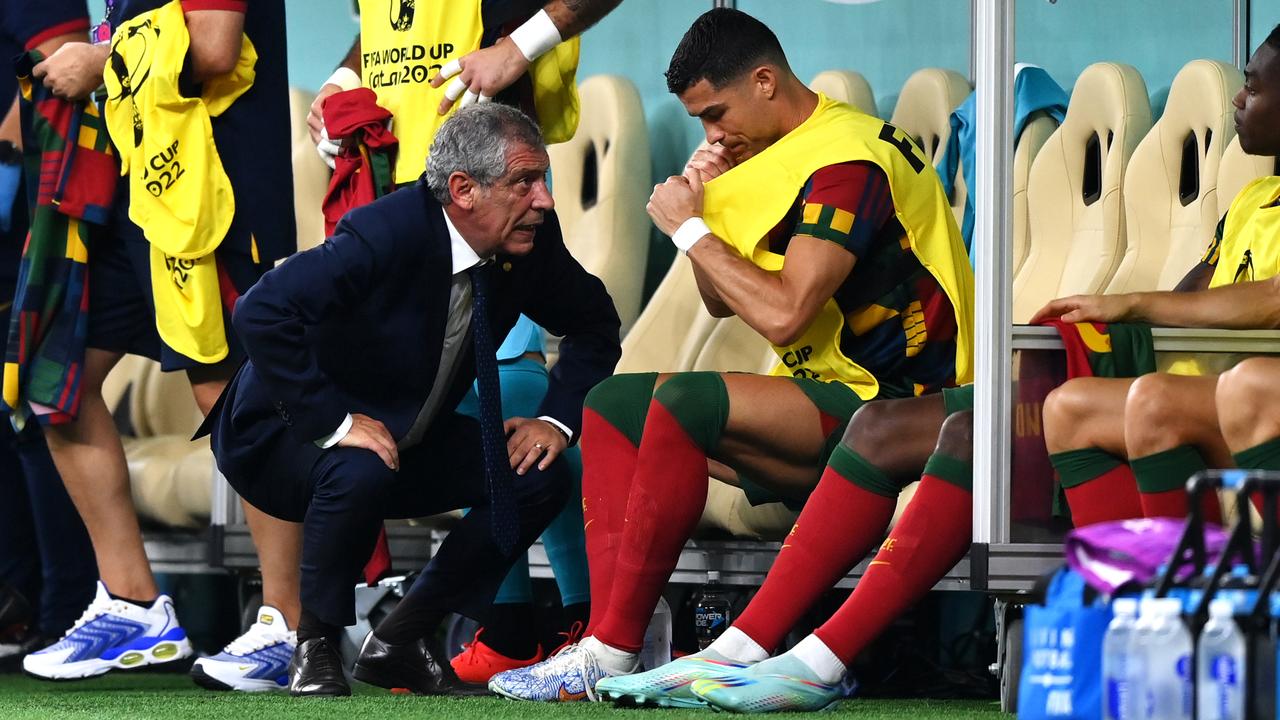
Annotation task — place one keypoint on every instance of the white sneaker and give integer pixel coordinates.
(110, 635)
(257, 660)
(569, 675)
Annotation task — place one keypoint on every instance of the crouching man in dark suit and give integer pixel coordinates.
(358, 352)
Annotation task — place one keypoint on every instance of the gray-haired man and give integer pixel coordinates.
(358, 351)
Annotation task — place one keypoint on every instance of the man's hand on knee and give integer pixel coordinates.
(373, 436)
(529, 439)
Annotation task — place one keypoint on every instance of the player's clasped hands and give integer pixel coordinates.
(676, 200)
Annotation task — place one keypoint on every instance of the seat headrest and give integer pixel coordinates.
(600, 181)
(1171, 183)
(847, 87)
(1107, 96)
(925, 105)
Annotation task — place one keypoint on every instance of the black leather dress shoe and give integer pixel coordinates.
(316, 669)
(410, 666)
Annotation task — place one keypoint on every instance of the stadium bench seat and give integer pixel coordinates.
(1038, 129)
(1171, 184)
(600, 180)
(848, 87)
(924, 112)
(1074, 193)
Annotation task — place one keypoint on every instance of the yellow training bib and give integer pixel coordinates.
(179, 193)
(742, 205)
(403, 44)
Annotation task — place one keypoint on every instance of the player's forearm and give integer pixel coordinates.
(710, 298)
(1244, 306)
(757, 296)
(571, 17)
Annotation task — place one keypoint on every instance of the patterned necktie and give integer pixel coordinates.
(497, 467)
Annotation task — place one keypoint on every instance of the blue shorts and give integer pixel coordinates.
(122, 311)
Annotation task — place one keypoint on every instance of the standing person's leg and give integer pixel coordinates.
(1084, 433)
(256, 660)
(693, 417)
(69, 569)
(19, 568)
(91, 460)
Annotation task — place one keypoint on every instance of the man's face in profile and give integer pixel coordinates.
(1257, 116)
(737, 116)
(510, 210)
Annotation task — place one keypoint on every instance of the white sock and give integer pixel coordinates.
(818, 657)
(735, 645)
(617, 662)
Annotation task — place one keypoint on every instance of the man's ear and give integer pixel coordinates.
(765, 80)
(462, 190)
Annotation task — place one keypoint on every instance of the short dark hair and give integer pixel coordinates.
(1274, 38)
(721, 45)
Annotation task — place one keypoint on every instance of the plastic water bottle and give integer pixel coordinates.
(1163, 645)
(657, 637)
(713, 612)
(1220, 666)
(1118, 699)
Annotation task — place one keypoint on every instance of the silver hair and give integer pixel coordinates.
(475, 141)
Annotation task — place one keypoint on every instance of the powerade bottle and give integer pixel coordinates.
(712, 614)
(1118, 665)
(1220, 666)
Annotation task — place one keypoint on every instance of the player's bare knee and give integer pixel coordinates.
(956, 438)
(1162, 411)
(873, 429)
(1066, 412)
(1245, 396)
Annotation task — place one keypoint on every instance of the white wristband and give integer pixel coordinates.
(345, 78)
(537, 35)
(689, 232)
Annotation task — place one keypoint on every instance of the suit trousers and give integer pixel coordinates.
(342, 495)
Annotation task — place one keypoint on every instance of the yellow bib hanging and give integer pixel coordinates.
(742, 205)
(403, 44)
(179, 193)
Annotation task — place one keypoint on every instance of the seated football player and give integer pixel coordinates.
(1159, 429)
(827, 232)
(888, 445)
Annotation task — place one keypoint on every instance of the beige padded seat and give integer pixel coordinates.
(1238, 169)
(674, 326)
(1074, 194)
(847, 87)
(310, 174)
(600, 180)
(1035, 133)
(1171, 184)
(171, 476)
(924, 112)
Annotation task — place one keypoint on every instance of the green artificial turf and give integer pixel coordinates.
(174, 697)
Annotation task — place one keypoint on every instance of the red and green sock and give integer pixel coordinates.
(1099, 486)
(931, 537)
(686, 417)
(842, 521)
(1162, 484)
(612, 427)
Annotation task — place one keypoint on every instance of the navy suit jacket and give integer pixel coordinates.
(357, 325)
